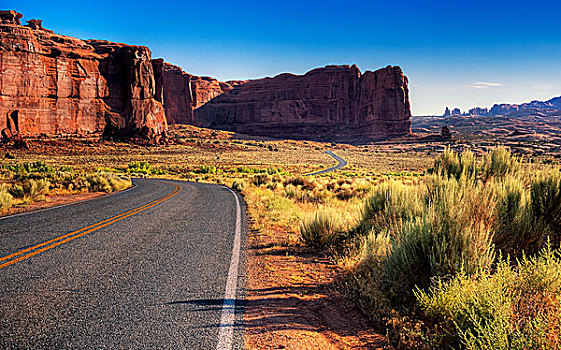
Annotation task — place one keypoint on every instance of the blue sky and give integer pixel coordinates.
(455, 53)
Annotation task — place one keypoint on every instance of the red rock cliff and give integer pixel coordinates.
(335, 102)
(132, 90)
(181, 92)
(56, 85)
(173, 88)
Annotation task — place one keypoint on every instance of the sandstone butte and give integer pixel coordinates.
(331, 103)
(55, 85)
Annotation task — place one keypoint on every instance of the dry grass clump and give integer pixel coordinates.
(5, 198)
(325, 228)
(432, 245)
(514, 307)
(34, 181)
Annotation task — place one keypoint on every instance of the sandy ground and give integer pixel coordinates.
(292, 303)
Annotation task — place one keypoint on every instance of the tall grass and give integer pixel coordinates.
(434, 245)
(324, 229)
(5, 198)
(515, 307)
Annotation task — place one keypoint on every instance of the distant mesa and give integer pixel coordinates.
(540, 108)
(54, 85)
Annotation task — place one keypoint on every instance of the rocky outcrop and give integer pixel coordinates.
(181, 93)
(335, 102)
(56, 85)
(173, 88)
(132, 90)
(207, 88)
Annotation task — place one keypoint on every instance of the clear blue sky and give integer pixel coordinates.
(455, 53)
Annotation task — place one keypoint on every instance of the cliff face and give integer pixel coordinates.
(181, 93)
(132, 90)
(174, 91)
(56, 85)
(336, 102)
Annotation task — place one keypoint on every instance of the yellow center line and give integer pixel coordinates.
(81, 232)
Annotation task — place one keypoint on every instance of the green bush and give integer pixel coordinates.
(515, 307)
(324, 229)
(500, 162)
(208, 169)
(139, 167)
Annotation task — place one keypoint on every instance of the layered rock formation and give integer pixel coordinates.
(132, 90)
(181, 93)
(335, 102)
(56, 85)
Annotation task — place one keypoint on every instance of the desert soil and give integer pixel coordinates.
(293, 302)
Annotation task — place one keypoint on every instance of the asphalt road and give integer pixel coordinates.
(340, 163)
(164, 276)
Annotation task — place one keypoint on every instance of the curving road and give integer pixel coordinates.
(154, 267)
(340, 164)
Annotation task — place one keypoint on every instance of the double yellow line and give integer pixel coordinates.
(41, 247)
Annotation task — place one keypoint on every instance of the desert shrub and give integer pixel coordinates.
(515, 230)
(545, 194)
(273, 171)
(291, 191)
(324, 229)
(238, 185)
(528, 215)
(207, 169)
(36, 188)
(117, 183)
(104, 182)
(98, 182)
(515, 307)
(261, 179)
(500, 162)
(390, 203)
(434, 233)
(17, 191)
(297, 181)
(447, 164)
(5, 198)
(139, 167)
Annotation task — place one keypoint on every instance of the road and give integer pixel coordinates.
(153, 267)
(340, 164)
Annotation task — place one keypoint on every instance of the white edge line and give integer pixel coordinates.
(65, 205)
(228, 317)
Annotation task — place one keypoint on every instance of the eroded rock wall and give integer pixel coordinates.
(132, 90)
(173, 88)
(49, 84)
(55, 85)
(334, 102)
